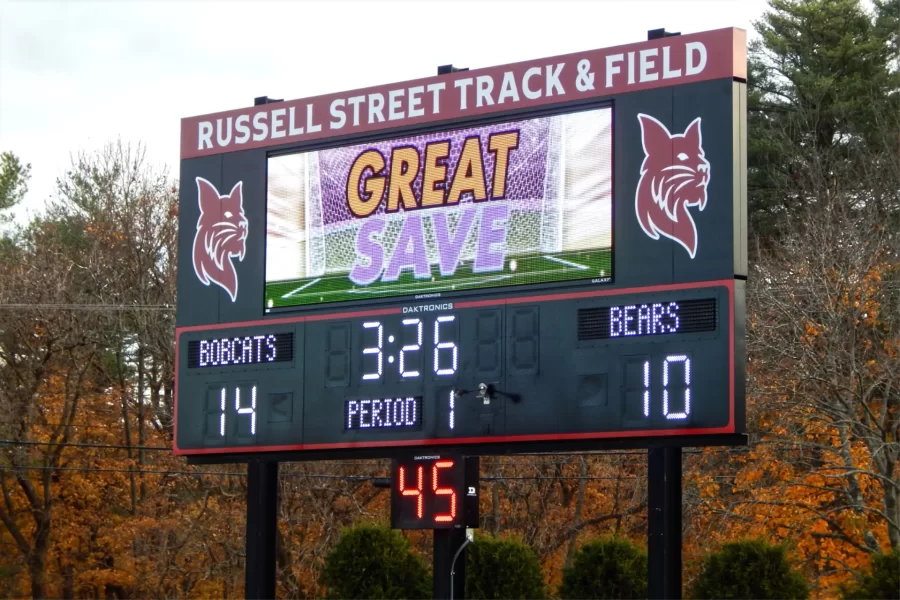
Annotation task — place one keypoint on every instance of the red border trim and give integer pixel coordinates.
(727, 283)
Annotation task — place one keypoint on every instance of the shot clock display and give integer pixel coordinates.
(588, 366)
(434, 492)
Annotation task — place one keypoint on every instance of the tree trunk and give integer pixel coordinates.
(168, 402)
(579, 507)
(127, 426)
(495, 508)
(616, 509)
(141, 435)
(892, 510)
(36, 570)
(37, 560)
(155, 384)
(68, 581)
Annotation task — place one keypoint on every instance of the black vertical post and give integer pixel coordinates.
(446, 543)
(664, 523)
(262, 519)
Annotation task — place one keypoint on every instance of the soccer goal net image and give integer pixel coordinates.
(554, 179)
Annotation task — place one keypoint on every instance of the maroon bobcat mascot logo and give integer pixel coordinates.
(674, 176)
(221, 235)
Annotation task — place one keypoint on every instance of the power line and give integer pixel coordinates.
(487, 463)
(82, 425)
(61, 306)
(102, 470)
(82, 445)
(572, 456)
(799, 286)
(309, 475)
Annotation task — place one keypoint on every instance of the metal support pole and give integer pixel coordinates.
(262, 520)
(664, 523)
(446, 543)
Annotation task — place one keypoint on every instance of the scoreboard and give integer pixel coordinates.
(548, 255)
(559, 366)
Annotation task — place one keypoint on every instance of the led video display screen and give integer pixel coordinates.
(509, 204)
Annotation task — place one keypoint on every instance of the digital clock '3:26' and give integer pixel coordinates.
(408, 358)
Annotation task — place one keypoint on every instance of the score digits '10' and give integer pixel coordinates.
(434, 492)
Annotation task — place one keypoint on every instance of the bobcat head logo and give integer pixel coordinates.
(674, 176)
(221, 235)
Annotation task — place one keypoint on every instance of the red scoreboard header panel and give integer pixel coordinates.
(545, 255)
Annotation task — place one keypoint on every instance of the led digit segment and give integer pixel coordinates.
(376, 350)
(241, 350)
(384, 413)
(646, 388)
(452, 417)
(447, 369)
(246, 410)
(222, 416)
(411, 347)
(443, 491)
(681, 358)
(415, 493)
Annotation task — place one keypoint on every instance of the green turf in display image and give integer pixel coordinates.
(518, 270)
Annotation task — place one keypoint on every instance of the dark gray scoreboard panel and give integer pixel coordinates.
(578, 366)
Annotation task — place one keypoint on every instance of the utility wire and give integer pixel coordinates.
(309, 475)
(795, 287)
(102, 470)
(82, 425)
(82, 445)
(61, 306)
(574, 456)
(515, 460)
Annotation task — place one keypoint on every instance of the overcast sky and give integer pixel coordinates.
(75, 75)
